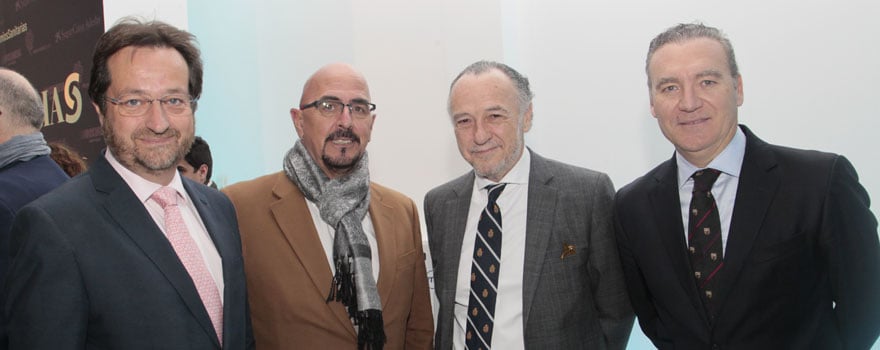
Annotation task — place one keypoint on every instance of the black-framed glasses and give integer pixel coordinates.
(136, 106)
(333, 108)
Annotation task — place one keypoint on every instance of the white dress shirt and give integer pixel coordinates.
(327, 234)
(513, 202)
(729, 162)
(143, 189)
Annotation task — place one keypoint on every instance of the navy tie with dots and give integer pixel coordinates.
(484, 274)
(704, 237)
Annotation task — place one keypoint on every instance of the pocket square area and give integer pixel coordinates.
(567, 249)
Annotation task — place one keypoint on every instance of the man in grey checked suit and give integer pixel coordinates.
(559, 282)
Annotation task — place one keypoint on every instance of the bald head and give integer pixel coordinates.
(334, 135)
(334, 73)
(21, 109)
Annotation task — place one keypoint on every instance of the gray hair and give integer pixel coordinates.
(21, 99)
(524, 93)
(684, 32)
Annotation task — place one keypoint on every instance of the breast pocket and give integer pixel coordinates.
(782, 267)
(780, 250)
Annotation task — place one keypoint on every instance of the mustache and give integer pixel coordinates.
(147, 132)
(344, 133)
(482, 148)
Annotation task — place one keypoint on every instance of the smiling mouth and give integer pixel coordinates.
(342, 142)
(343, 137)
(157, 140)
(694, 122)
(479, 151)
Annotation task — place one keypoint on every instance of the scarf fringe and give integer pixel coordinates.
(371, 327)
(371, 332)
(342, 288)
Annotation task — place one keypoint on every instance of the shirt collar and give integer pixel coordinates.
(519, 174)
(729, 161)
(141, 187)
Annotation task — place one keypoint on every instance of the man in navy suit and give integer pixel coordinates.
(130, 255)
(797, 264)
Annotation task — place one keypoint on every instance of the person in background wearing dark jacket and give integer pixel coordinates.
(198, 164)
(26, 171)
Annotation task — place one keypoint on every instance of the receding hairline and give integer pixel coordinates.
(517, 81)
(687, 32)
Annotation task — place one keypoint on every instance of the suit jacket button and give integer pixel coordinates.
(716, 347)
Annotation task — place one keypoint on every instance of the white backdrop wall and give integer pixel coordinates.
(810, 71)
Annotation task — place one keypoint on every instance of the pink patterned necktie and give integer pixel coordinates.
(190, 256)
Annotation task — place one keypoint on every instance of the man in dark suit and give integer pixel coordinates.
(780, 252)
(129, 255)
(555, 282)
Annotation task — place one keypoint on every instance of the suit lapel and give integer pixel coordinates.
(292, 215)
(452, 216)
(124, 208)
(386, 242)
(665, 199)
(542, 200)
(757, 184)
(209, 219)
(219, 234)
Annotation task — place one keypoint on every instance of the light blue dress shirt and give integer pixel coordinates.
(729, 162)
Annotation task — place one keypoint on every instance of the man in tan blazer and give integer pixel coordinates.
(333, 261)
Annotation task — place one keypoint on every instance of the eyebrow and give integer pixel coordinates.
(334, 98)
(460, 115)
(359, 100)
(706, 73)
(709, 73)
(326, 97)
(497, 108)
(664, 81)
(143, 92)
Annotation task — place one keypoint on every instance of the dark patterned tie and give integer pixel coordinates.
(704, 237)
(484, 274)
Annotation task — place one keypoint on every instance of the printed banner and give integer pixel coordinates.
(51, 43)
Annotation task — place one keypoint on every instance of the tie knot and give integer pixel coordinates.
(165, 196)
(704, 179)
(495, 191)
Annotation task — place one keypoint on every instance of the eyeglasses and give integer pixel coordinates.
(179, 104)
(334, 108)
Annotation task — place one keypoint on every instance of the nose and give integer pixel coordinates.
(156, 118)
(344, 119)
(690, 101)
(481, 133)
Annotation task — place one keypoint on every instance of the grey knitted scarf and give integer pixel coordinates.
(23, 148)
(343, 204)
